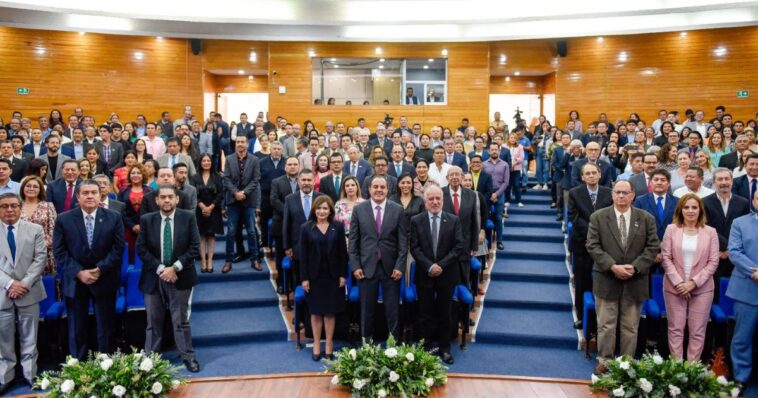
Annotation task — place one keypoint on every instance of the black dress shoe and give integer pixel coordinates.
(447, 358)
(192, 365)
(256, 265)
(500, 246)
(227, 268)
(316, 357)
(238, 258)
(559, 217)
(5, 387)
(578, 325)
(330, 357)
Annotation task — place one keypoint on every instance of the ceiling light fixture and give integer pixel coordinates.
(683, 34)
(381, 66)
(600, 39)
(138, 55)
(431, 60)
(444, 52)
(240, 72)
(507, 78)
(517, 73)
(159, 38)
(311, 53)
(250, 77)
(381, 59)
(719, 51)
(41, 50)
(426, 66)
(378, 50)
(623, 56)
(82, 33)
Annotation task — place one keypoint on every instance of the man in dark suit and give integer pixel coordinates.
(399, 166)
(380, 168)
(112, 154)
(436, 244)
(18, 166)
(330, 185)
(481, 179)
(272, 166)
(410, 99)
(721, 209)
(168, 244)
(53, 158)
(297, 209)
(61, 192)
(105, 202)
(454, 158)
(464, 204)
(77, 148)
(88, 245)
(584, 200)
(641, 182)
(164, 176)
(241, 178)
(381, 140)
(623, 242)
(660, 203)
(355, 166)
(281, 187)
(18, 146)
(747, 184)
(378, 249)
(732, 160)
(593, 156)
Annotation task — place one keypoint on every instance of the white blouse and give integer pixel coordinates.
(689, 247)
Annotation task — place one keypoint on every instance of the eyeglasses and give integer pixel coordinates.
(13, 206)
(622, 193)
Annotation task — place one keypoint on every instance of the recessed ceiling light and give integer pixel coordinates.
(444, 52)
(426, 66)
(683, 34)
(82, 33)
(311, 53)
(333, 59)
(138, 55)
(240, 72)
(648, 72)
(381, 59)
(159, 38)
(431, 59)
(378, 50)
(517, 73)
(719, 51)
(507, 78)
(336, 66)
(41, 50)
(250, 77)
(623, 56)
(600, 39)
(381, 66)
(503, 58)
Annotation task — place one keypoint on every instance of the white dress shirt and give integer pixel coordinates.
(439, 174)
(177, 264)
(627, 217)
(373, 209)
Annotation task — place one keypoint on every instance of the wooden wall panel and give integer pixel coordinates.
(234, 55)
(468, 83)
(517, 85)
(97, 72)
(662, 71)
(240, 84)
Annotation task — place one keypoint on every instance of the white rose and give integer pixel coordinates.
(645, 385)
(657, 359)
(390, 352)
(735, 392)
(102, 356)
(394, 376)
(72, 362)
(119, 390)
(67, 386)
(381, 393)
(674, 390)
(157, 388)
(353, 354)
(624, 365)
(358, 384)
(44, 384)
(722, 380)
(336, 379)
(619, 392)
(106, 364)
(138, 355)
(594, 378)
(146, 365)
(409, 356)
(429, 382)
(175, 384)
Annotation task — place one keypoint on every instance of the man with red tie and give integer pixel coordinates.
(62, 192)
(464, 204)
(642, 183)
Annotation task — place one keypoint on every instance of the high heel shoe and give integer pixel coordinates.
(316, 357)
(329, 357)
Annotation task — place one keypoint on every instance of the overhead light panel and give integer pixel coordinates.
(426, 66)
(95, 22)
(623, 56)
(138, 55)
(240, 72)
(517, 73)
(719, 51)
(378, 50)
(444, 52)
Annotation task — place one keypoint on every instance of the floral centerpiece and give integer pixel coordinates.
(397, 370)
(653, 376)
(120, 375)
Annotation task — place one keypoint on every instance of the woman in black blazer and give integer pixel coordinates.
(404, 196)
(323, 271)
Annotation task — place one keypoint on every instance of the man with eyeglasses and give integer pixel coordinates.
(331, 184)
(623, 242)
(380, 168)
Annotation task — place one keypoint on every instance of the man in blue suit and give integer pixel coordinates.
(659, 203)
(271, 166)
(297, 208)
(355, 166)
(380, 139)
(743, 289)
(61, 192)
(454, 158)
(88, 244)
(747, 185)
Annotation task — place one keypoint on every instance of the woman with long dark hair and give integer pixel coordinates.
(210, 196)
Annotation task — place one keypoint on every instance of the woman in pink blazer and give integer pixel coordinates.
(690, 252)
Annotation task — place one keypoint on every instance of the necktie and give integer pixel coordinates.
(352, 170)
(378, 229)
(101, 204)
(450, 159)
(337, 184)
(69, 196)
(307, 205)
(398, 170)
(168, 244)
(660, 208)
(752, 193)
(89, 225)
(12, 243)
(172, 162)
(435, 232)
(622, 229)
(593, 197)
(107, 154)
(313, 162)
(456, 203)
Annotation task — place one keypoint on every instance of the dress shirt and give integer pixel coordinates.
(460, 197)
(155, 147)
(78, 150)
(11, 186)
(475, 179)
(500, 173)
(702, 191)
(373, 209)
(177, 264)
(725, 204)
(431, 228)
(308, 195)
(439, 174)
(15, 232)
(663, 199)
(627, 217)
(590, 191)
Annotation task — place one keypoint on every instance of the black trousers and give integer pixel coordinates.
(369, 293)
(435, 307)
(582, 280)
(78, 317)
(266, 213)
(279, 271)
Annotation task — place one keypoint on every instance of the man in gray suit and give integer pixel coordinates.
(105, 188)
(54, 156)
(173, 157)
(23, 256)
(378, 250)
(623, 242)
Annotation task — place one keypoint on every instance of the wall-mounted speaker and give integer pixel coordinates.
(196, 44)
(562, 47)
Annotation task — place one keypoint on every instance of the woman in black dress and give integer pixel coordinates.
(210, 194)
(323, 270)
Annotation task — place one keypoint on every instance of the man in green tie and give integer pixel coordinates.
(168, 244)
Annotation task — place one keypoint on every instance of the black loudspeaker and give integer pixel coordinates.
(562, 48)
(196, 45)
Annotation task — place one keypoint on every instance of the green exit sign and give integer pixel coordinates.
(743, 94)
(22, 91)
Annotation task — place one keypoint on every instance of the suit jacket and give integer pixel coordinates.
(459, 160)
(606, 173)
(387, 147)
(180, 158)
(391, 185)
(738, 207)
(604, 245)
(405, 168)
(639, 184)
(269, 172)
(741, 187)
(705, 261)
(310, 251)
(450, 246)
(18, 168)
(280, 189)
(49, 177)
(555, 164)
(73, 254)
(484, 185)
(185, 247)
(31, 260)
(579, 211)
(413, 100)
(326, 186)
(391, 242)
(729, 161)
(294, 217)
(149, 204)
(288, 146)
(116, 150)
(305, 160)
(468, 214)
(56, 194)
(648, 203)
(743, 241)
(567, 165)
(248, 182)
(68, 149)
(113, 204)
(29, 148)
(364, 170)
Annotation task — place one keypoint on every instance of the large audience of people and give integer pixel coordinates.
(361, 204)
